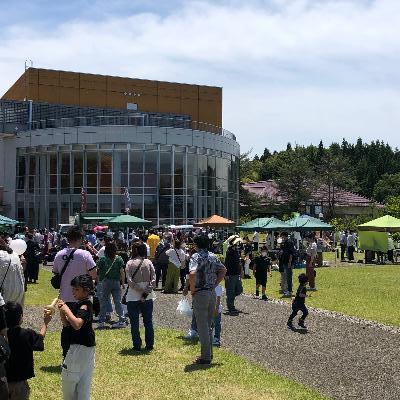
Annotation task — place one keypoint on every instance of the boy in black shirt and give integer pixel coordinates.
(23, 342)
(299, 303)
(261, 267)
(78, 365)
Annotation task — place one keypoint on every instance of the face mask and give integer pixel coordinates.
(263, 253)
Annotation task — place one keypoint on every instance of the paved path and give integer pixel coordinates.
(337, 357)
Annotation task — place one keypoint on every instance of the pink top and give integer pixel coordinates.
(81, 263)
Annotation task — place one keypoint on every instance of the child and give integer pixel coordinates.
(262, 266)
(299, 303)
(192, 334)
(23, 342)
(78, 365)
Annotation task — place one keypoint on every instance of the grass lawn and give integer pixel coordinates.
(41, 293)
(165, 373)
(369, 292)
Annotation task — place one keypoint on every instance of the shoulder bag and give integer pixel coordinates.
(56, 278)
(123, 300)
(2, 283)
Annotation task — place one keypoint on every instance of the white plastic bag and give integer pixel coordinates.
(184, 307)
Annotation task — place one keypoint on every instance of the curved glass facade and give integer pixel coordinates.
(167, 184)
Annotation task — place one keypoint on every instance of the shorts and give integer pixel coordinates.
(261, 280)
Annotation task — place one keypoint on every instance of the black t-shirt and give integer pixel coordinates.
(287, 250)
(262, 265)
(301, 290)
(232, 261)
(85, 335)
(23, 342)
(3, 324)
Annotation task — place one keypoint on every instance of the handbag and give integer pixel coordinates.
(123, 300)
(56, 278)
(2, 283)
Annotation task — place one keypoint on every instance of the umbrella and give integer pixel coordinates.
(215, 221)
(307, 223)
(127, 221)
(387, 223)
(265, 224)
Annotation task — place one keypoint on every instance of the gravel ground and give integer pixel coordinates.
(341, 357)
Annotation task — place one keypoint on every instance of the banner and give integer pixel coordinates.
(127, 200)
(83, 200)
(375, 241)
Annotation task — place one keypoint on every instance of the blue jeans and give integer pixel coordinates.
(113, 288)
(217, 326)
(289, 277)
(146, 309)
(109, 308)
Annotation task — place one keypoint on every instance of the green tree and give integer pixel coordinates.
(393, 206)
(388, 185)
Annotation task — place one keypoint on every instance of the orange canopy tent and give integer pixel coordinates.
(215, 221)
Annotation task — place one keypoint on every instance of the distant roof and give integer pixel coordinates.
(269, 189)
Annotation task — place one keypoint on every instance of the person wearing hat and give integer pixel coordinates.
(233, 283)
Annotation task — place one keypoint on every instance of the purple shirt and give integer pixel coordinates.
(81, 263)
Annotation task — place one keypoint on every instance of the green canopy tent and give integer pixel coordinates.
(127, 221)
(306, 223)
(387, 223)
(7, 221)
(265, 224)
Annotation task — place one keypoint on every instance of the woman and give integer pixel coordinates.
(176, 261)
(141, 278)
(311, 254)
(111, 274)
(11, 275)
(32, 259)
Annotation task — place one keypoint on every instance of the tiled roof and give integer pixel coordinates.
(269, 189)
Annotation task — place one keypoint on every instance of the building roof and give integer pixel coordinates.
(269, 189)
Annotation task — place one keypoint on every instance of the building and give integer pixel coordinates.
(156, 147)
(323, 201)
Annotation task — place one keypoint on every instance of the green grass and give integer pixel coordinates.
(165, 373)
(369, 292)
(41, 293)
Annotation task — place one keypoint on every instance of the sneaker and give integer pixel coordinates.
(216, 342)
(287, 294)
(108, 317)
(264, 297)
(301, 325)
(118, 325)
(192, 334)
(290, 325)
(257, 293)
(233, 312)
(101, 325)
(312, 289)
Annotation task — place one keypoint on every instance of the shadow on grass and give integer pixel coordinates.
(200, 367)
(133, 352)
(51, 369)
(188, 342)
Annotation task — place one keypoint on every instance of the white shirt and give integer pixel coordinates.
(351, 240)
(176, 257)
(312, 250)
(101, 252)
(218, 293)
(148, 249)
(256, 237)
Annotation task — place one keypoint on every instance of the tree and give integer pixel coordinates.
(296, 180)
(393, 206)
(388, 185)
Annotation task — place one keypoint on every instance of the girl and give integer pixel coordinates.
(78, 365)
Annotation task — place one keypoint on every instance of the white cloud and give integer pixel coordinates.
(292, 70)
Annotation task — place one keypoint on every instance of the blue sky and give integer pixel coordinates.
(291, 70)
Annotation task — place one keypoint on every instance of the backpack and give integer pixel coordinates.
(160, 256)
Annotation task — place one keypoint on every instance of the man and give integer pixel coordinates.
(234, 273)
(286, 260)
(311, 255)
(161, 258)
(351, 246)
(80, 263)
(343, 244)
(205, 273)
(3, 333)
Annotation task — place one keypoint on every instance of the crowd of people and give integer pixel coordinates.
(93, 269)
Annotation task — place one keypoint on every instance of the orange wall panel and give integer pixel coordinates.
(69, 79)
(146, 102)
(69, 95)
(94, 98)
(190, 107)
(189, 91)
(48, 77)
(94, 82)
(169, 105)
(117, 100)
(49, 94)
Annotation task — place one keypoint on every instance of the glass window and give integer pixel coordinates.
(178, 206)
(106, 172)
(150, 206)
(136, 180)
(53, 163)
(31, 184)
(32, 165)
(124, 180)
(21, 166)
(192, 164)
(91, 180)
(124, 161)
(65, 163)
(190, 208)
(179, 163)
(150, 180)
(136, 162)
(136, 206)
(65, 183)
(78, 163)
(151, 161)
(165, 206)
(165, 163)
(91, 162)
